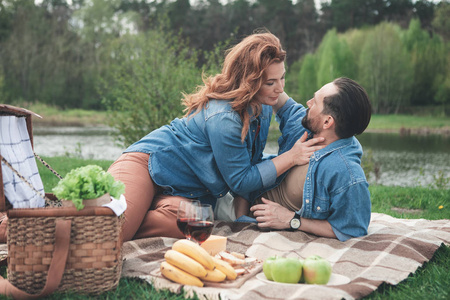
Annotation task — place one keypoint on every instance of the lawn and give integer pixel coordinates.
(395, 122)
(431, 280)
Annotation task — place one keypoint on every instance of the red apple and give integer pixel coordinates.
(316, 270)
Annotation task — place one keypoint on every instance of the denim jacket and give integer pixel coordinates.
(202, 156)
(335, 187)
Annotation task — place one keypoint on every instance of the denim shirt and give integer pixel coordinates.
(203, 157)
(335, 186)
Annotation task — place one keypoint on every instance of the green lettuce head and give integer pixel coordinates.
(88, 182)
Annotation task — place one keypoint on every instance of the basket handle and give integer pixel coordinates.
(55, 271)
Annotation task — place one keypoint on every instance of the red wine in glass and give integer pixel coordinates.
(200, 231)
(182, 224)
(187, 211)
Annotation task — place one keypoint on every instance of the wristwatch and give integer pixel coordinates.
(295, 222)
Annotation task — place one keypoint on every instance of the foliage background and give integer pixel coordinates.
(135, 58)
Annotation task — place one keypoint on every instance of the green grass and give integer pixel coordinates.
(128, 288)
(63, 165)
(395, 122)
(411, 202)
(53, 116)
(431, 280)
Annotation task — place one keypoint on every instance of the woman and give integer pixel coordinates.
(216, 148)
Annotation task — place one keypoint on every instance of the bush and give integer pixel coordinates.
(147, 76)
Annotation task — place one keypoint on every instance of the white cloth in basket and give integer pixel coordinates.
(118, 206)
(15, 147)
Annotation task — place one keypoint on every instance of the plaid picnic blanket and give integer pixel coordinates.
(393, 249)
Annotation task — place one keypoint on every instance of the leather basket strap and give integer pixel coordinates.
(55, 271)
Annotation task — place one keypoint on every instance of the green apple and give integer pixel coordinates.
(286, 270)
(267, 267)
(316, 270)
(302, 278)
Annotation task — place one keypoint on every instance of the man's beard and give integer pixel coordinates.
(307, 123)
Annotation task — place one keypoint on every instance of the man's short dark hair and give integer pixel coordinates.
(350, 107)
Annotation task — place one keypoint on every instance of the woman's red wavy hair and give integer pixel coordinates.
(241, 78)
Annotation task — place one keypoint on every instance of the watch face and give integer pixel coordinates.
(295, 223)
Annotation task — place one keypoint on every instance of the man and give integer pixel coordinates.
(328, 197)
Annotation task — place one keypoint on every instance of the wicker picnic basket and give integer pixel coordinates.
(35, 237)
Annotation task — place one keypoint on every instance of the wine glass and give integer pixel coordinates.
(201, 227)
(187, 212)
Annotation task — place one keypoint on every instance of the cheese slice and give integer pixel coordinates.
(214, 244)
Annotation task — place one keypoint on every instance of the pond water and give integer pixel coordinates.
(82, 142)
(402, 160)
(408, 160)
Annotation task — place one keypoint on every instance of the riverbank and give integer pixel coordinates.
(401, 124)
(444, 131)
(409, 124)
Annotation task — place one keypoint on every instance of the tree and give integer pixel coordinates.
(144, 84)
(20, 51)
(147, 12)
(356, 39)
(428, 62)
(442, 80)
(415, 35)
(98, 23)
(424, 10)
(240, 17)
(212, 25)
(36, 56)
(385, 69)
(398, 11)
(177, 12)
(441, 21)
(305, 32)
(6, 16)
(334, 59)
(308, 77)
(347, 14)
(273, 16)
